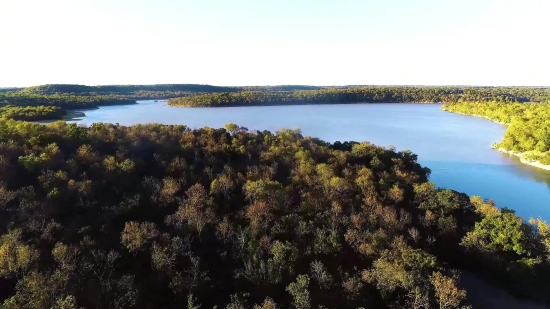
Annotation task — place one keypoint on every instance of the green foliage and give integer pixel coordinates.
(32, 113)
(299, 292)
(79, 96)
(15, 257)
(68, 302)
(32, 162)
(403, 267)
(504, 233)
(362, 94)
(25, 98)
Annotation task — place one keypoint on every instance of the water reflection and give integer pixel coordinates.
(528, 172)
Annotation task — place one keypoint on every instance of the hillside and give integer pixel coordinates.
(380, 94)
(154, 216)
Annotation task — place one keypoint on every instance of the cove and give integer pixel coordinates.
(456, 148)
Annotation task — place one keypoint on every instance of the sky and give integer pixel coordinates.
(275, 42)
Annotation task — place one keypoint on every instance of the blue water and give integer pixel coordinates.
(455, 147)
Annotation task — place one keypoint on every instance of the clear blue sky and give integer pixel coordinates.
(261, 42)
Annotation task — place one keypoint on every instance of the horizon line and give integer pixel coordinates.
(280, 85)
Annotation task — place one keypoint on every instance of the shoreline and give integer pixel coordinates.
(479, 116)
(519, 155)
(75, 114)
(299, 104)
(71, 115)
(522, 159)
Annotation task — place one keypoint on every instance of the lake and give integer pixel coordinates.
(456, 148)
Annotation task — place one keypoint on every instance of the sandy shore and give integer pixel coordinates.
(522, 159)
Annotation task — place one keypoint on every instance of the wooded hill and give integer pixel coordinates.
(80, 96)
(154, 216)
(364, 95)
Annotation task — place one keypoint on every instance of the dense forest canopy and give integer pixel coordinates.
(32, 113)
(364, 95)
(529, 125)
(155, 216)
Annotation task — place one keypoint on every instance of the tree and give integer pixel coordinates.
(15, 257)
(447, 294)
(232, 128)
(191, 303)
(320, 274)
(136, 236)
(197, 211)
(504, 233)
(300, 293)
(267, 304)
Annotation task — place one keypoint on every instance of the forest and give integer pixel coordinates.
(382, 94)
(158, 216)
(32, 113)
(80, 96)
(529, 125)
(62, 100)
(84, 97)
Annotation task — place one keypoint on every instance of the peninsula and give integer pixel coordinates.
(528, 134)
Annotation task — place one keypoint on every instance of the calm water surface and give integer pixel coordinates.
(456, 148)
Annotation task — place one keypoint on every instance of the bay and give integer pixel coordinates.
(456, 148)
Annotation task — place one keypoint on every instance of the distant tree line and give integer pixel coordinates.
(32, 113)
(65, 101)
(80, 96)
(155, 216)
(364, 95)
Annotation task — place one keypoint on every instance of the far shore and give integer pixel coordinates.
(479, 116)
(70, 116)
(297, 103)
(78, 114)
